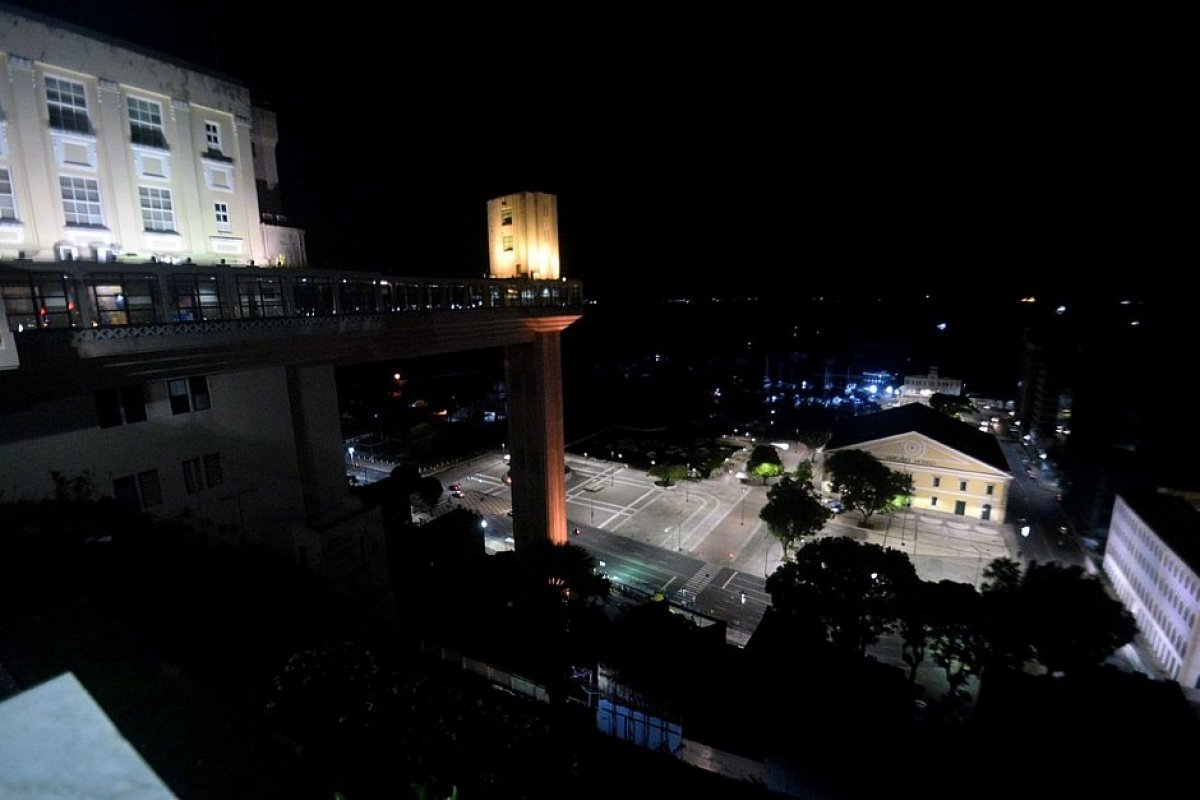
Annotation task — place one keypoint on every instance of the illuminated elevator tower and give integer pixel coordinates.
(523, 236)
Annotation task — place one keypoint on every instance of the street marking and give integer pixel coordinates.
(668, 583)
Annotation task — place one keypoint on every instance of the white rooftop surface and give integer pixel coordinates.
(56, 742)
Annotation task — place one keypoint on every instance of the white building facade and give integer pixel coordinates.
(919, 388)
(1157, 582)
(107, 153)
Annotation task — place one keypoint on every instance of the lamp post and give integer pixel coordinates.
(743, 522)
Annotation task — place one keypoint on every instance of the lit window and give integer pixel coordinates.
(67, 103)
(507, 243)
(145, 123)
(221, 213)
(8, 201)
(157, 214)
(81, 201)
(506, 216)
(212, 135)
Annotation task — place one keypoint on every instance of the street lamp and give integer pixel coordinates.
(743, 522)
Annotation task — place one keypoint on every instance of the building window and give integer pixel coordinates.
(506, 216)
(991, 489)
(145, 123)
(202, 473)
(123, 406)
(197, 298)
(507, 242)
(189, 394)
(150, 487)
(67, 103)
(81, 201)
(212, 135)
(124, 299)
(157, 214)
(221, 214)
(936, 481)
(193, 476)
(962, 486)
(8, 201)
(260, 297)
(933, 502)
(213, 473)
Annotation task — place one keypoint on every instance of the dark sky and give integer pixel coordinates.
(979, 153)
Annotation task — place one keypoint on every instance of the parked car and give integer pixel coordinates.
(835, 506)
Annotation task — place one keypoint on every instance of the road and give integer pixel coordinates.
(1033, 501)
(685, 541)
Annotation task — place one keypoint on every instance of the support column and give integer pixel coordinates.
(316, 427)
(535, 431)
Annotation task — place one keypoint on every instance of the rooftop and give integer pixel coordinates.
(918, 418)
(1173, 520)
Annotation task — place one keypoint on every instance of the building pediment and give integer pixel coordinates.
(917, 450)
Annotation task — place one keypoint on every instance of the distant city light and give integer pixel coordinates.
(1060, 310)
(1135, 323)
(941, 326)
(1028, 299)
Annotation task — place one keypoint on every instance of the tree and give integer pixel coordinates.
(1073, 624)
(913, 627)
(851, 589)
(953, 613)
(1003, 622)
(764, 462)
(429, 489)
(814, 439)
(669, 472)
(792, 512)
(804, 472)
(952, 405)
(865, 484)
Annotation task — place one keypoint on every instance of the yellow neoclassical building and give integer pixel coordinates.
(956, 468)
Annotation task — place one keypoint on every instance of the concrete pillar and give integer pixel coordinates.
(316, 426)
(535, 432)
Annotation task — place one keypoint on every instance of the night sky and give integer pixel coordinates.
(981, 154)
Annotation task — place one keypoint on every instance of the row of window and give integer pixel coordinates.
(40, 300)
(126, 405)
(960, 508)
(989, 490)
(1164, 559)
(1167, 648)
(1148, 581)
(82, 206)
(144, 490)
(66, 102)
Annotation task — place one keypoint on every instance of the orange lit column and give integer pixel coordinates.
(535, 431)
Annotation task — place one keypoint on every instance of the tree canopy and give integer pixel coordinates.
(865, 484)
(669, 472)
(792, 512)
(764, 463)
(814, 439)
(851, 589)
